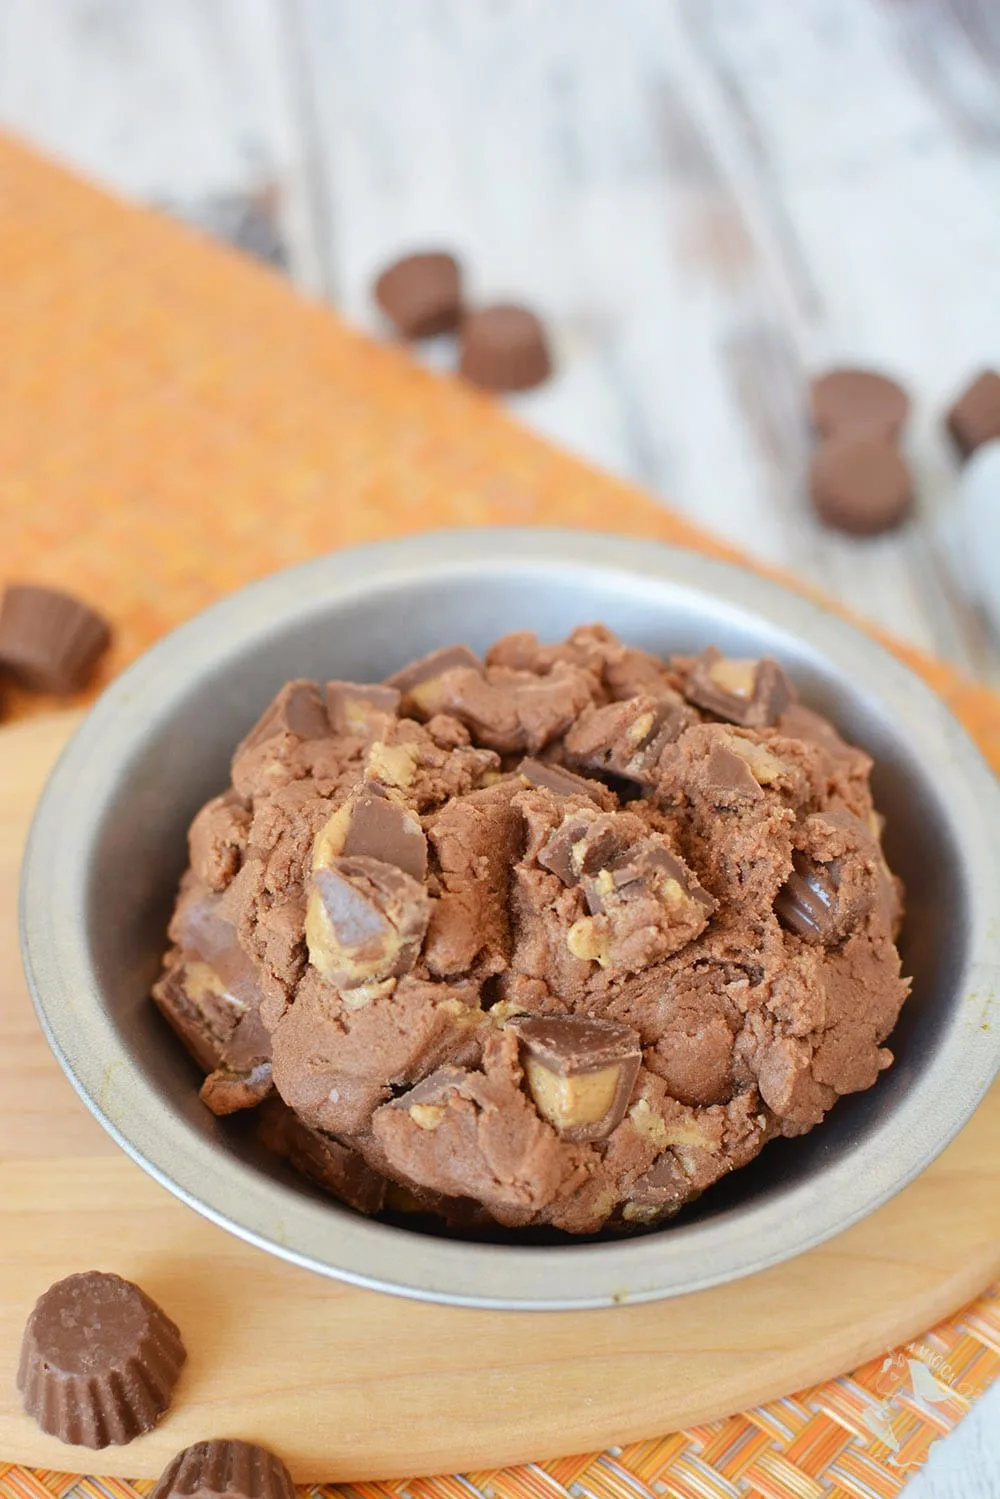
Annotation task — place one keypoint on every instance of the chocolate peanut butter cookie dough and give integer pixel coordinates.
(556, 937)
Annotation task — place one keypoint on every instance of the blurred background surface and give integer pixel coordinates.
(706, 199)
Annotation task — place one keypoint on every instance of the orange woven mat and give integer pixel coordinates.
(175, 421)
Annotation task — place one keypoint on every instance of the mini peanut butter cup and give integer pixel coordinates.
(99, 1361)
(49, 639)
(225, 1470)
(504, 348)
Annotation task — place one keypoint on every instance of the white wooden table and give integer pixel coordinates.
(707, 199)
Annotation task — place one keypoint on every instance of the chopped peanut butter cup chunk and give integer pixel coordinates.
(365, 921)
(752, 694)
(580, 1072)
(360, 707)
(298, 709)
(627, 738)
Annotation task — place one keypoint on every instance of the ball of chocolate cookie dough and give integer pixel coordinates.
(853, 400)
(859, 484)
(504, 348)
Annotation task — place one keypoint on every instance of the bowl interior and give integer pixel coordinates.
(181, 758)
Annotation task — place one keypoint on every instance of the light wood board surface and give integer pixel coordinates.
(349, 1384)
(706, 199)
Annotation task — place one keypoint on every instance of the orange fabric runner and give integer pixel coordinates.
(176, 420)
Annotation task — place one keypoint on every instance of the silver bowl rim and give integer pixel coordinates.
(332, 1240)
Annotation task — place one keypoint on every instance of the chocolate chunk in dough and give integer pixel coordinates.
(627, 738)
(385, 830)
(371, 824)
(651, 867)
(229, 1092)
(752, 694)
(728, 778)
(849, 400)
(563, 782)
(365, 921)
(580, 1072)
(430, 667)
(807, 902)
(975, 416)
(859, 484)
(504, 348)
(199, 1009)
(298, 709)
(359, 707)
(506, 710)
(48, 639)
(583, 845)
(202, 931)
(99, 1361)
(421, 294)
(826, 898)
(225, 1469)
(645, 907)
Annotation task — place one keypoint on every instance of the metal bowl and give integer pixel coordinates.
(108, 845)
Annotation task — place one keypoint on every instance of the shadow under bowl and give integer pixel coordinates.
(108, 845)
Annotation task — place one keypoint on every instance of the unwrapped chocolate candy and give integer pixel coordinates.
(225, 1469)
(99, 1361)
(49, 639)
(421, 294)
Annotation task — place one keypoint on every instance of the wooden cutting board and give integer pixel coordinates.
(351, 1384)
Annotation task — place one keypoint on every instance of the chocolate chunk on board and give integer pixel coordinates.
(850, 400)
(975, 416)
(298, 709)
(382, 829)
(752, 694)
(351, 706)
(48, 639)
(562, 782)
(859, 484)
(421, 294)
(504, 348)
(580, 1072)
(225, 1469)
(99, 1361)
